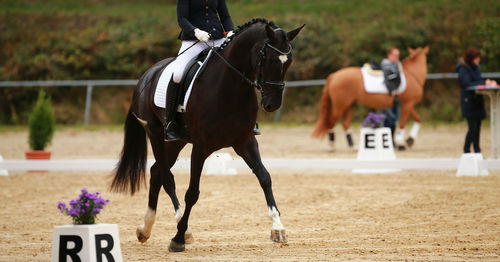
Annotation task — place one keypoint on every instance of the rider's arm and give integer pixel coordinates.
(224, 16)
(182, 16)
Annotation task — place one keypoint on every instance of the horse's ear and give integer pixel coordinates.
(292, 34)
(426, 49)
(270, 33)
(411, 50)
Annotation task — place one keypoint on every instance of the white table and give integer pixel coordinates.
(494, 94)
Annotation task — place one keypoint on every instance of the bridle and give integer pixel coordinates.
(259, 67)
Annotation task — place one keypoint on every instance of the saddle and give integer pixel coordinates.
(373, 69)
(193, 69)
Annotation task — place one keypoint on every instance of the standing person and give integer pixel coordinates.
(392, 81)
(390, 66)
(205, 21)
(391, 118)
(472, 104)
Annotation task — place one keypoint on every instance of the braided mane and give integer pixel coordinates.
(243, 27)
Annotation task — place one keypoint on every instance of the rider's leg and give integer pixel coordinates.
(188, 51)
(170, 111)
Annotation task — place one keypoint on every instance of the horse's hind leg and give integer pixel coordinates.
(346, 124)
(144, 232)
(169, 185)
(160, 175)
(249, 151)
(335, 115)
(198, 156)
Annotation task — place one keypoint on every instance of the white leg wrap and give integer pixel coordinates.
(178, 214)
(400, 137)
(414, 130)
(149, 220)
(275, 217)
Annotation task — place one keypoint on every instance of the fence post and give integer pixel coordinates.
(278, 113)
(88, 102)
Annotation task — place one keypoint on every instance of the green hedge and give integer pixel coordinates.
(55, 39)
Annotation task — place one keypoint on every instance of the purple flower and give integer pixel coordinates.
(62, 207)
(374, 120)
(84, 209)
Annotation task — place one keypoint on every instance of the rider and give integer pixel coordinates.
(390, 67)
(206, 21)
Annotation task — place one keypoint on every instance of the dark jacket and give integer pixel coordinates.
(204, 15)
(472, 104)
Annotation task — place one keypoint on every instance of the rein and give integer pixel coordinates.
(259, 83)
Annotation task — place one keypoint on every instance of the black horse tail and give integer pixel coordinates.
(130, 172)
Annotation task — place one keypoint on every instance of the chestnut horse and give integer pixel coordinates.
(345, 88)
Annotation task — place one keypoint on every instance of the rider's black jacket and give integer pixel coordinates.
(204, 15)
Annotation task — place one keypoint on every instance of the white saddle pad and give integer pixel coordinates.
(161, 87)
(375, 83)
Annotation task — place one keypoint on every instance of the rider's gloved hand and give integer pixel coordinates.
(201, 35)
(229, 34)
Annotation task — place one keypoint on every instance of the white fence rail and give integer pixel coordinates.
(271, 163)
(91, 83)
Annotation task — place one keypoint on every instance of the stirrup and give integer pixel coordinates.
(171, 132)
(256, 130)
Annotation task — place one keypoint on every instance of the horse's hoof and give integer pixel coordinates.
(174, 247)
(141, 237)
(188, 238)
(410, 141)
(278, 236)
(401, 148)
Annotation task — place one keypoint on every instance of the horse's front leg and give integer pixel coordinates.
(198, 157)
(249, 151)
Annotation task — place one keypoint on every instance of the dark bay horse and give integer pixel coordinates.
(221, 112)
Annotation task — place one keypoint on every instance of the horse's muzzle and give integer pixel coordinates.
(270, 104)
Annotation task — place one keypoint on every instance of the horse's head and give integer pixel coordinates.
(416, 62)
(271, 63)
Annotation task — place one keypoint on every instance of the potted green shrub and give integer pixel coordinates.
(41, 125)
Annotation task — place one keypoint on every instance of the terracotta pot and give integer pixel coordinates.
(37, 155)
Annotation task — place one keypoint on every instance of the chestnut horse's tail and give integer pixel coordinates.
(325, 110)
(130, 171)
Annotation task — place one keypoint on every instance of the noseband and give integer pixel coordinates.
(260, 82)
(260, 67)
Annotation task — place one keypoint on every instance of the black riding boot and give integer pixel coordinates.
(256, 130)
(171, 127)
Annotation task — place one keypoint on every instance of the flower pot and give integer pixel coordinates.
(96, 242)
(37, 155)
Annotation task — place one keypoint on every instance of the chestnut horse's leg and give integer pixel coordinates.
(160, 176)
(198, 157)
(414, 128)
(346, 124)
(331, 133)
(249, 151)
(400, 133)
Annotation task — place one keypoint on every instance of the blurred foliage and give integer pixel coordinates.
(41, 123)
(120, 39)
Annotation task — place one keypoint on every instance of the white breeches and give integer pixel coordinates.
(182, 60)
